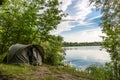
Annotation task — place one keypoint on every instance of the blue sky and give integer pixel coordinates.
(81, 24)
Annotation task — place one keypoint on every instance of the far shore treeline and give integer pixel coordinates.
(65, 44)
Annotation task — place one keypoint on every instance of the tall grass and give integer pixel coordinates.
(21, 71)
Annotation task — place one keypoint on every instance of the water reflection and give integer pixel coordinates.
(86, 55)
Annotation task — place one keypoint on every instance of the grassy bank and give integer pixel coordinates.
(44, 72)
(19, 72)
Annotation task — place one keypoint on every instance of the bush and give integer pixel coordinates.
(97, 72)
(52, 55)
(53, 50)
(2, 56)
(105, 72)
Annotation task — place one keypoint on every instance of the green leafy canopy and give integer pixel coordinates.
(28, 21)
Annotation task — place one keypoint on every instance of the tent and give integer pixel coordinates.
(25, 54)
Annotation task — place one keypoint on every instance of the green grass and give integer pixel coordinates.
(70, 70)
(22, 71)
(27, 71)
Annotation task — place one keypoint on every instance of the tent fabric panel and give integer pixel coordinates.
(20, 54)
(20, 57)
(36, 54)
(13, 50)
(40, 60)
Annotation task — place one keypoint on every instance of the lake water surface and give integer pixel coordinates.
(84, 56)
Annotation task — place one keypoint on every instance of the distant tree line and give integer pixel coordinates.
(82, 44)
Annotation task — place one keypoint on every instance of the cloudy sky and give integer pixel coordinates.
(81, 24)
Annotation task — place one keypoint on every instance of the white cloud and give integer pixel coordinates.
(84, 36)
(81, 10)
(99, 16)
(63, 26)
(65, 4)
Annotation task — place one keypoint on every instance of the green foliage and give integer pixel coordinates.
(111, 27)
(1, 2)
(97, 72)
(2, 56)
(27, 22)
(53, 48)
(30, 22)
(109, 71)
(105, 72)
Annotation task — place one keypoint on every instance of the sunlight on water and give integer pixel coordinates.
(84, 56)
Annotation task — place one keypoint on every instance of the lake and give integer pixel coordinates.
(84, 56)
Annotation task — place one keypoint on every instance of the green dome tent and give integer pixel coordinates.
(25, 54)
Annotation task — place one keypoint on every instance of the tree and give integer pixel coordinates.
(27, 21)
(111, 27)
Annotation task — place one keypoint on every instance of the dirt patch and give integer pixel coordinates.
(42, 72)
(67, 76)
